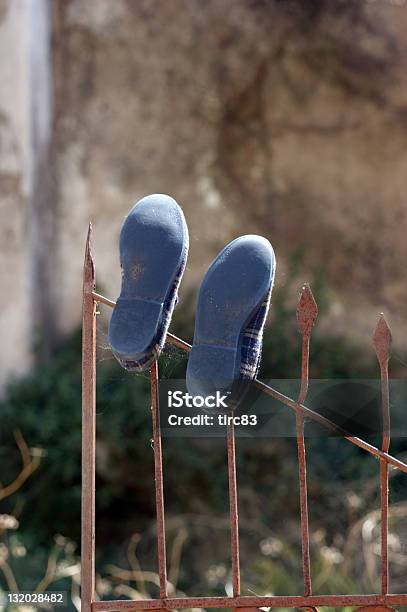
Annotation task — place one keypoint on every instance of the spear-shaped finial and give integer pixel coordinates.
(89, 277)
(307, 310)
(382, 340)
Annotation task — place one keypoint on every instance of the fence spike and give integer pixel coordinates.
(159, 481)
(88, 428)
(382, 343)
(233, 509)
(307, 310)
(89, 276)
(382, 339)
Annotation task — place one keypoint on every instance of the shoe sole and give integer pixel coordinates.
(153, 252)
(234, 288)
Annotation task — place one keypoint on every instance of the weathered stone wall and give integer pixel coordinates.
(257, 119)
(281, 118)
(14, 178)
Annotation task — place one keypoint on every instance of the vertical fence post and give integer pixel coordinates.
(159, 485)
(307, 312)
(88, 429)
(382, 343)
(233, 509)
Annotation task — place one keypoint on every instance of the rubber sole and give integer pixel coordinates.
(153, 251)
(233, 289)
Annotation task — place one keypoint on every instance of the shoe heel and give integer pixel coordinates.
(133, 327)
(210, 369)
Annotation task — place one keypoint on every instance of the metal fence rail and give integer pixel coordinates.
(306, 316)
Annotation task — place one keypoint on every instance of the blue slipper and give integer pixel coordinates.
(233, 303)
(153, 255)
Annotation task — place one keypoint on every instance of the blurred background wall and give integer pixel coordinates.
(279, 117)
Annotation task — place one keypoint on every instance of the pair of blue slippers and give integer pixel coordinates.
(233, 300)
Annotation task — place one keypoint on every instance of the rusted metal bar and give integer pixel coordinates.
(103, 300)
(159, 486)
(233, 510)
(88, 428)
(382, 343)
(318, 418)
(294, 405)
(295, 601)
(307, 312)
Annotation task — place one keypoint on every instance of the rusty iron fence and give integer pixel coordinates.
(306, 314)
